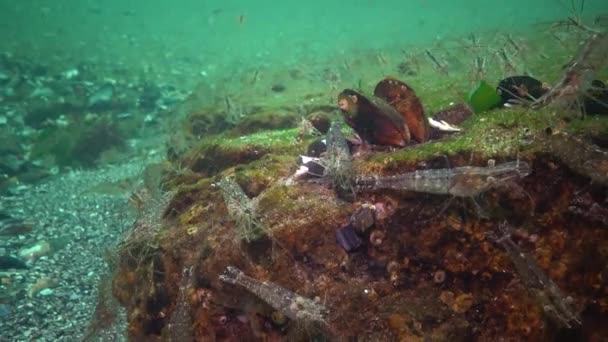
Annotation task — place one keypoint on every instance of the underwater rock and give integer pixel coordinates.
(266, 120)
(8, 262)
(36, 251)
(95, 139)
(101, 97)
(518, 89)
(40, 113)
(10, 227)
(278, 88)
(149, 96)
(403, 98)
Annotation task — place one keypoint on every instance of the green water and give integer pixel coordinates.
(215, 34)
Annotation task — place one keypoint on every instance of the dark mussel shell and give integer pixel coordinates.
(403, 98)
(374, 120)
(520, 88)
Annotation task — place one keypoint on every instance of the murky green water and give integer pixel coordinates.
(257, 32)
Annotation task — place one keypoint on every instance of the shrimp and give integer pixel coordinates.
(287, 302)
(465, 181)
(548, 294)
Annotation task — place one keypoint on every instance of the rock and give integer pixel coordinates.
(46, 292)
(347, 239)
(101, 98)
(8, 262)
(5, 311)
(36, 251)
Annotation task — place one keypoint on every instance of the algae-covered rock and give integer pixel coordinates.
(216, 153)
(79, 144)
(266, 120)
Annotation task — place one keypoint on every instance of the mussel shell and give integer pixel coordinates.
(520, 88)
(376, 121)
(403, 98)
(316, 148)
(454, 114)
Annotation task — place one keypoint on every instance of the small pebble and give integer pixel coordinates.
(46, 292)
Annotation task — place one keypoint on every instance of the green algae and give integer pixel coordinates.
(256, 176)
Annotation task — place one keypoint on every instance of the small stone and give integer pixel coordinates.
(46, 292)
(348, 239)
(5, 311)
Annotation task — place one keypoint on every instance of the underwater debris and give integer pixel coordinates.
(586, 207)
(508, 64)
(440, 67)
(479, 67)
(582, 157)
(577, 81)
(242, 210)
(484, 97)
(464, 181)
(290, 304)
(547, 293)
